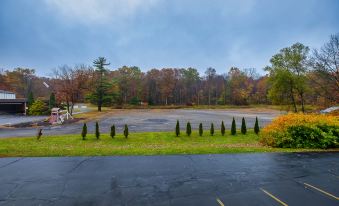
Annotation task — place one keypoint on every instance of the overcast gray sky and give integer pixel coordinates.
(44, 34)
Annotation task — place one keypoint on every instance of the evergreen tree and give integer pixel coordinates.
(38, 108)
(101, 88)
(222, 128)
(177, 129)
(212, 129)
(97, 132)
(126, 131)
(84, 131)
(243, 126)
(188, 129)
(52, 101)
(234, 127)
(200, 129)
(112, 131)
(30, 99)
(256, 126)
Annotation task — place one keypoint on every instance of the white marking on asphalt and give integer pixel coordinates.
(274, 197)
(219, 201)
(322, 191)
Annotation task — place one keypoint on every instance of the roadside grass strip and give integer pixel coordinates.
(141, 143)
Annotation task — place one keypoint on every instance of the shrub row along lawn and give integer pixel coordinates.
(147, 143)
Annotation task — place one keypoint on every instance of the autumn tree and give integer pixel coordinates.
(240, 85)
(151, 86)
(20, 81)
(3, 77)
(191, 79)
(167, 84)
(70, 84)
(210, 74)
(325, 70)
(287, 75)
(129, 79)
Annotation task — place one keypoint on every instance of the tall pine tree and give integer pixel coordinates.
(101, 87)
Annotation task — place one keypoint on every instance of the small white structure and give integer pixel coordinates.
(56, 116)
(7, 95)
(328, 110)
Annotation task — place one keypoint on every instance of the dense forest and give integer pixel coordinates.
(296, 76)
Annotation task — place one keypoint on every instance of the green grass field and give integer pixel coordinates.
(148, 143)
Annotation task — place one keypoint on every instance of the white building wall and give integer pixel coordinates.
(6, 95)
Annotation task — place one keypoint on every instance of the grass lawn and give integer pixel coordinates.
(147, 143)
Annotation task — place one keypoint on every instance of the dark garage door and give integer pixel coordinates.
(12, 106)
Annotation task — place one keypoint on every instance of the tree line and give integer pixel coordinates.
(296, 76)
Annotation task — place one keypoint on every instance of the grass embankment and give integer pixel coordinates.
(147, 143)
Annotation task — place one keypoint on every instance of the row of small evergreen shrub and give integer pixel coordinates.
(97, 131)
(222, 128)
(177, 129)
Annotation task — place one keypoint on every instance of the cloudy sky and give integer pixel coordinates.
(44, 34)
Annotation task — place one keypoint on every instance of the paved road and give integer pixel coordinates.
(9, 120)
(155, 120)
(233, 179)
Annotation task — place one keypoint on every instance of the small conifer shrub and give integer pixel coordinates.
(222, 128)
(243, 126)
(112, 131)
(188, 129)
(97, 132)
(177, 129)
(201, 130)
(84, 131)
(234, 127)
(256, 126)
(212, 129)
(126, 131)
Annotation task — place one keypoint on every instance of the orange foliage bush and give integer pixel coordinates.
(302, 130)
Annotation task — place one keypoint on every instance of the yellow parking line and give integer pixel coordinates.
(275, 198)
(219, 201)
(322, 191)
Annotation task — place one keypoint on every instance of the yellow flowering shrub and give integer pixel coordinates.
(302, 131)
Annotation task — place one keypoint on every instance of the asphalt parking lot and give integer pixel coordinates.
(140, 120)
(8, 120)
(228, 179)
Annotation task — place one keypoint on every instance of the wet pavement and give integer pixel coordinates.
(228, 179)
(8, 120)
(140, 120)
